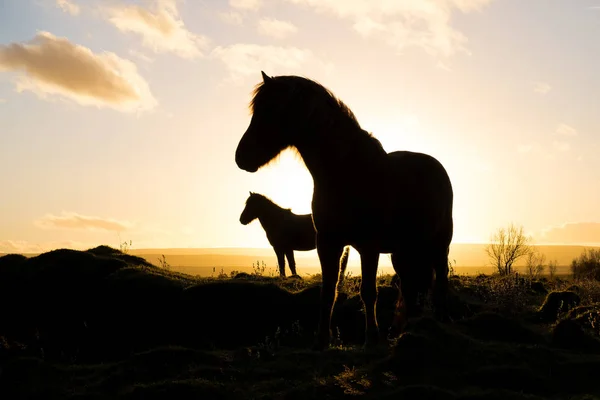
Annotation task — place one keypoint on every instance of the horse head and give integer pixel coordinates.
(275, 120)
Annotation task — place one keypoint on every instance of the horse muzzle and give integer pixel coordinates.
(243, 162)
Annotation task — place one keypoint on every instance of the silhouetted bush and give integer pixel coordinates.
(538, 287)
(587, 265)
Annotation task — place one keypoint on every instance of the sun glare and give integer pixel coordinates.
(288, 183)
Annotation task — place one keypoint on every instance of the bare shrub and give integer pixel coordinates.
(552, 267)
(535, 264)
(587, 265)
(508, 245)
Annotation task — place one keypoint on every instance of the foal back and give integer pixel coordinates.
(292, 231)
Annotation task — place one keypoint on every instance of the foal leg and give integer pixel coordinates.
(329, 255)
(280, 261)
(368, 294)
(291, 261)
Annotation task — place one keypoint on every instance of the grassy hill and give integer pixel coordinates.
(101, 324)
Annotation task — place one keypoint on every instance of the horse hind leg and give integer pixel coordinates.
(343, 266)
(407, 305)
(368, 294)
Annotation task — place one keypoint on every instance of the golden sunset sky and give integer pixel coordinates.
(121, 118)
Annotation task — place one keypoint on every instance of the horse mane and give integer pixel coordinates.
(265, 199)
(298, 83)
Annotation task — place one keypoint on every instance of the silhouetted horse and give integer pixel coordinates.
(398, 203)
(285, 230)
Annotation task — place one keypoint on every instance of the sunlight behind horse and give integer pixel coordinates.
(286, 181)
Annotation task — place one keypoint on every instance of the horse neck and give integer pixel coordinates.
(330, 151)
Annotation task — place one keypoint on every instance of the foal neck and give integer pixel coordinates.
(270, 212)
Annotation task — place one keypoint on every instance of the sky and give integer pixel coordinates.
(119, 119)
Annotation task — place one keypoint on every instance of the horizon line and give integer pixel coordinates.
(584, 244)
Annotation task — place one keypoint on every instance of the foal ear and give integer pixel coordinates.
(266, 78)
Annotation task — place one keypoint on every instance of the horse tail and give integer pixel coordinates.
(343, 265)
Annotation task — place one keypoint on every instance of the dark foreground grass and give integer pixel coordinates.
(103, 325)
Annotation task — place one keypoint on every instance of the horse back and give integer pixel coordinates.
(420, 184)
(401, 197)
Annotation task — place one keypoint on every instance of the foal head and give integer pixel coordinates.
(253, 208)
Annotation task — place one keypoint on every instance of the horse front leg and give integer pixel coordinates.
(291, 261)
(280, 260)
(329, 252)
(368, 293)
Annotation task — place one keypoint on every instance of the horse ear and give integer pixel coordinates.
(266, 78)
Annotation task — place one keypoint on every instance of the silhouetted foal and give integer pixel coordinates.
(285, 230)
(377, 202)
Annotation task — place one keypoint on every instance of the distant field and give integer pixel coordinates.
(470, 259)
(311, 270)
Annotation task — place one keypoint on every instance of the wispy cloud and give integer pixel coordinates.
(403, 24)
(566, 130)
(25, 247)
(140, 55)
(246, 4)
(541, 88)
(68, 6)
(572, 233)
(160, 27)
(243, 60)
(70, 220)
(231, 17)
(19, 246)
(52, 65)
(276, 28)
(443, 66)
